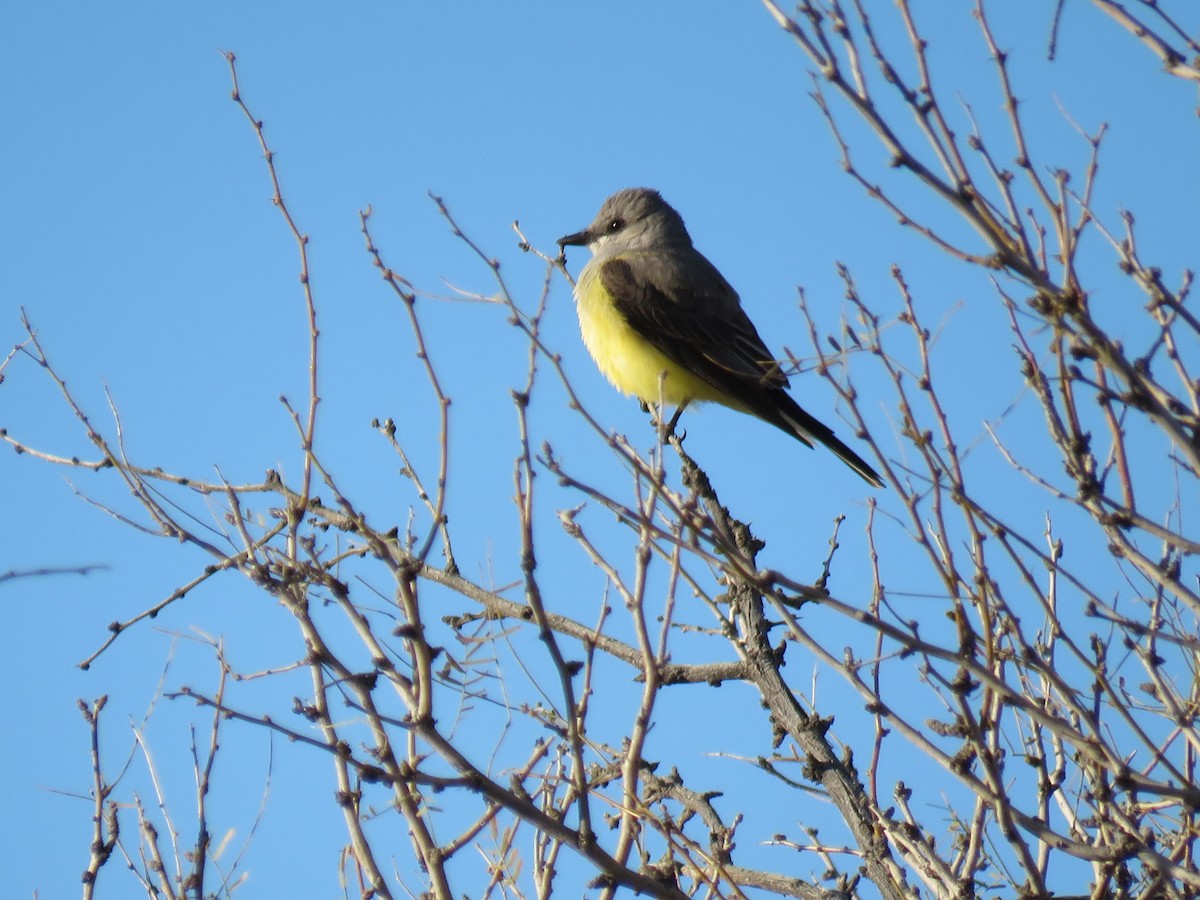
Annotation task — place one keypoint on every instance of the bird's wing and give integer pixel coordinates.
(695, 322)
(688, 311)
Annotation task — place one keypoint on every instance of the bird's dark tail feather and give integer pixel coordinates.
(796, 422)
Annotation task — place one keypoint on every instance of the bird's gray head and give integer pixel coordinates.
(632, 219)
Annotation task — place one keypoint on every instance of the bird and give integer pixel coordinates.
(663, 324)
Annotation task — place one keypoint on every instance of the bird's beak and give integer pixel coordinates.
(578, 239)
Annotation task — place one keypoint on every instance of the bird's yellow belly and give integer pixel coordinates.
(633, 365)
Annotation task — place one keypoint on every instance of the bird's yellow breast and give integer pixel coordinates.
(629, 361)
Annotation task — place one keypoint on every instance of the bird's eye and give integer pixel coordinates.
(616, 225)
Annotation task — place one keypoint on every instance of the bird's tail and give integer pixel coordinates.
(800, 424)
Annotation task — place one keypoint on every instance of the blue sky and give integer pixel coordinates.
(138, 235)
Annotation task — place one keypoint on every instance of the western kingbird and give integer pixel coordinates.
(662, 323)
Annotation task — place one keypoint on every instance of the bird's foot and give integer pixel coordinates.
(666, 429)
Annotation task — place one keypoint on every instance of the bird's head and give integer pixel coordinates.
(631, 219)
